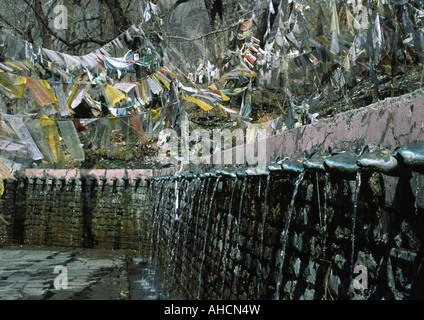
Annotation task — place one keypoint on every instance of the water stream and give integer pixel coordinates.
(237, 252)
(354, 211)
(324, 248)
(192, 193)
(284, 235)
(206, 234)
(73, 213)
(226, 238)
(264, 214)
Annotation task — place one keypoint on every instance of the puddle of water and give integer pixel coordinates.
(147, 282)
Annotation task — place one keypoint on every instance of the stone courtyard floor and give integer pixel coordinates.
(47, 273)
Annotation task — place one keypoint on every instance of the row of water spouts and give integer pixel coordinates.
(348, 165)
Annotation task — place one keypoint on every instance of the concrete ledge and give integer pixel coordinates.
(391, 123)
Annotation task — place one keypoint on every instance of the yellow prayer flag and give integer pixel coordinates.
(52, 134)
(13, 86)
(49, 90)
(224, 97)
(115, 94)
(222, 110)
(200, 103)
(72, 96)
(14, 65)
(162, 79)
(156, 113)
(29, 65)
(335, 20)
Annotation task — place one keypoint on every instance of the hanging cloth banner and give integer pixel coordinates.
(114, 94)
(154, 85)
(50, 92)
(144, 92)
(38, 92)
(2, 135)
(200, 103)
(13, 86)
(36, 130)
(131, 138)
(216, 90)
(52, 135)
(102, 136)
(138, 128)
(62, 103)
(24, 135)
(72, 96)
(71, 139)
(162, 79)
(79, 95)
(246, 107)
(125, 86)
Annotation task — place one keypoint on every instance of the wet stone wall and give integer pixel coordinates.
(290, 236)
(81, 212)
(233, 235)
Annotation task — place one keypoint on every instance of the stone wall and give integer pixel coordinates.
(228, 247)
(82, 212)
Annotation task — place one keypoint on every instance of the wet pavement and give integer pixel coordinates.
(44, 273)
(149, 282)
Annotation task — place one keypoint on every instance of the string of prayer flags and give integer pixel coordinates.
(252, 50)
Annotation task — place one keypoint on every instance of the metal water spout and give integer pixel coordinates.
(343, 164)
(241, 174)
(103, 180)
(62, 183)
(256, 172)
(114, 183)
(137, 181)
(73, 182)
(294, 166)
(43, 182)
(380, 160)
(229, 174)
(412, 156)
(53, 183)
(315, 163)
(34, 182)
(275, 168)
(126, 181)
